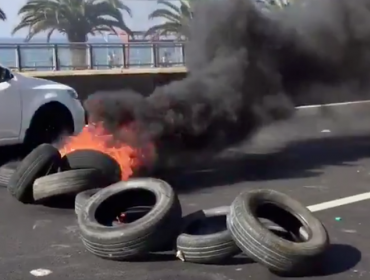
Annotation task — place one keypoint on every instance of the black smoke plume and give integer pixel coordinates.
(247, 67)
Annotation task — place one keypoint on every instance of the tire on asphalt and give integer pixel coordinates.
(42, 161)
(86, 159)
(6, 172)
(215, 247)
(67, 183)
(82, 198)
(133, 239)
(281, 256)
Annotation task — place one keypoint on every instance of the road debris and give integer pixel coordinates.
(180, 255)
(349, 230)
(40, 272)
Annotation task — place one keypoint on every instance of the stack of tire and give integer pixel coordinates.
(130, 220)
(44, 175)
(267, 226)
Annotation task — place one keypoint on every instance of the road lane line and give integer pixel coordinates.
(339, 202)
(333, 104)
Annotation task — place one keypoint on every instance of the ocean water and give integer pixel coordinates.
(38, 55)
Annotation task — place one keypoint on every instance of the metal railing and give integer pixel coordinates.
(82, 56)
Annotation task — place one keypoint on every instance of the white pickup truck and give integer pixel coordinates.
(34, 111)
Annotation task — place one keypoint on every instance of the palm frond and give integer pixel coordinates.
(2, 15)
(175, 18)
(166, 14)
(75, 18)
(163, 29)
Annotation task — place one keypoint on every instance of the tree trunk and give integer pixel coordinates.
(79, 57)
(78, 51)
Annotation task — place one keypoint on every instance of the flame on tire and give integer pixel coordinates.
(95, 137)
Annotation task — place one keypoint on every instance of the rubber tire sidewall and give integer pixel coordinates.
(67, 183)
(6, 172)
(82, 198)
(145, 235)
(43, 160)
(207, 248)
(87, 158)
(277, 254)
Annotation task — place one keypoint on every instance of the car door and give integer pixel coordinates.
(10, 106)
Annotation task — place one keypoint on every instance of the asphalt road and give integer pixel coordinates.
(312, 159)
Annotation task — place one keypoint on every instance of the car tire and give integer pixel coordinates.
(136, 239)
(50, 124)
(6, 172)
(82, 198)
(207, 248)
(67, 183)
(86, 159)
(277, 254)
(215, 247)
(42, 161)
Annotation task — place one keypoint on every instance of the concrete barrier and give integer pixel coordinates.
(145, 80)
(86, 82)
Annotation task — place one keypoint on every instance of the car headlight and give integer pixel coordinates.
(73, 93)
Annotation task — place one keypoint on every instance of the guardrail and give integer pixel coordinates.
(95, 56)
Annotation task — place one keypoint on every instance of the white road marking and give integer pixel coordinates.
(40, 272)
(345, 200)
(339, 202)
(333, 104)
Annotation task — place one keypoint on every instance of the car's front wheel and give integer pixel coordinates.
(50, 124)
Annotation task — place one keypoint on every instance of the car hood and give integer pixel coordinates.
(37, 83)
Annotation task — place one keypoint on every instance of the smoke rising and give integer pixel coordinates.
(247, 67)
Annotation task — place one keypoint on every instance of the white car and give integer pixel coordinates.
(34, 111)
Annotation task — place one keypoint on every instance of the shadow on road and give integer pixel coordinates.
(60, 202)
(298, 159)
(339, 258)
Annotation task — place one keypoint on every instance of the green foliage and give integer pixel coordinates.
(176, 18)
(74, 18)
(2, 15)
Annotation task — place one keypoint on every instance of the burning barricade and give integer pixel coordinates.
(124, 218)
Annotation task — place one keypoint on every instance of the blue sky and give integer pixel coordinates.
(139, 21)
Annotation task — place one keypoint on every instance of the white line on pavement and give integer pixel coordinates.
(339, 202)
(333, 104)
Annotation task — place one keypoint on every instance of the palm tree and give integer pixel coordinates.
(2, 15)
(74, 18)
(177, 18)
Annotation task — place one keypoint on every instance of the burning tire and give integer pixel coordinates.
(139, 235)
(87, 159)
(82, 198)
(67, 183)
(278, 254)
(43, 160)
(199, 243)
(6, 172)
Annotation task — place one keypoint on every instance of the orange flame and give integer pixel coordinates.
(95, 137)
